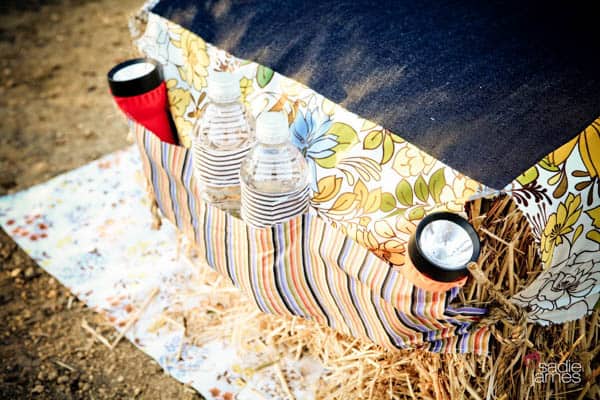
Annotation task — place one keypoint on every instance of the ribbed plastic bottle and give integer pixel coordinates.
(274, 175)
(221, 139)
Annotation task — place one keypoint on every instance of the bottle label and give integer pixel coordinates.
(218, 168)
(261, 209)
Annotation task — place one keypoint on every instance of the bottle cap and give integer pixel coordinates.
(223, 87)
(272, 128)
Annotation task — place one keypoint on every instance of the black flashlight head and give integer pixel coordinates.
(134, 77)
(443, 245)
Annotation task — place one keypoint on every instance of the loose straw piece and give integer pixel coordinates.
(154, 210)
(373, 382)
(64, 365)
(135, 317)
(479, 276)
(511, 267)
(96, 335)
(498, 238)
(580, 339)
(182, 342)
(410, 388)
(283, 382)
(471, 390)
(593, 323)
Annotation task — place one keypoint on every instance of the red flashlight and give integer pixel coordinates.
(140, 92)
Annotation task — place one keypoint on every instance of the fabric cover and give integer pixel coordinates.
(560, 196)
(375, 186)
(488, 88)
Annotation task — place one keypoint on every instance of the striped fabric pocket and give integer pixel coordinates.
(307, 268)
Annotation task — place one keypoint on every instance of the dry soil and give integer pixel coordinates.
(55, 115)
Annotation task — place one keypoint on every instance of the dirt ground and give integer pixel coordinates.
(55, 115)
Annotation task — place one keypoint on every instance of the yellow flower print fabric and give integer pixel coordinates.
(561, 198)
(368, 181)
(193, 49)
(560, 225)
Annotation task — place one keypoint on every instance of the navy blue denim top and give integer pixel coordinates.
(488, 87)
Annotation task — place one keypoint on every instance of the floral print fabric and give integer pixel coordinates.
(371, 183)
(90, 228)
(560, 196)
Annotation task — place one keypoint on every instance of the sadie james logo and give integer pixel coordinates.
(566, 372)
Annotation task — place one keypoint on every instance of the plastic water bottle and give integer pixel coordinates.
(274, 175)
(221, 139)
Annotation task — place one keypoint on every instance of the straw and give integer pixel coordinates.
(134, 318)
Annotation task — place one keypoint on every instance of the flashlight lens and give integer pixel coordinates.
(446, 244)
(133, 71)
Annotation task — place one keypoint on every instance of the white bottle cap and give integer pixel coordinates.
(223, 87)
(272, 128)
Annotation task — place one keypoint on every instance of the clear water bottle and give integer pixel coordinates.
(221, 139)
(274, 175)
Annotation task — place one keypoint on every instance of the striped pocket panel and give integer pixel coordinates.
(307, 268)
